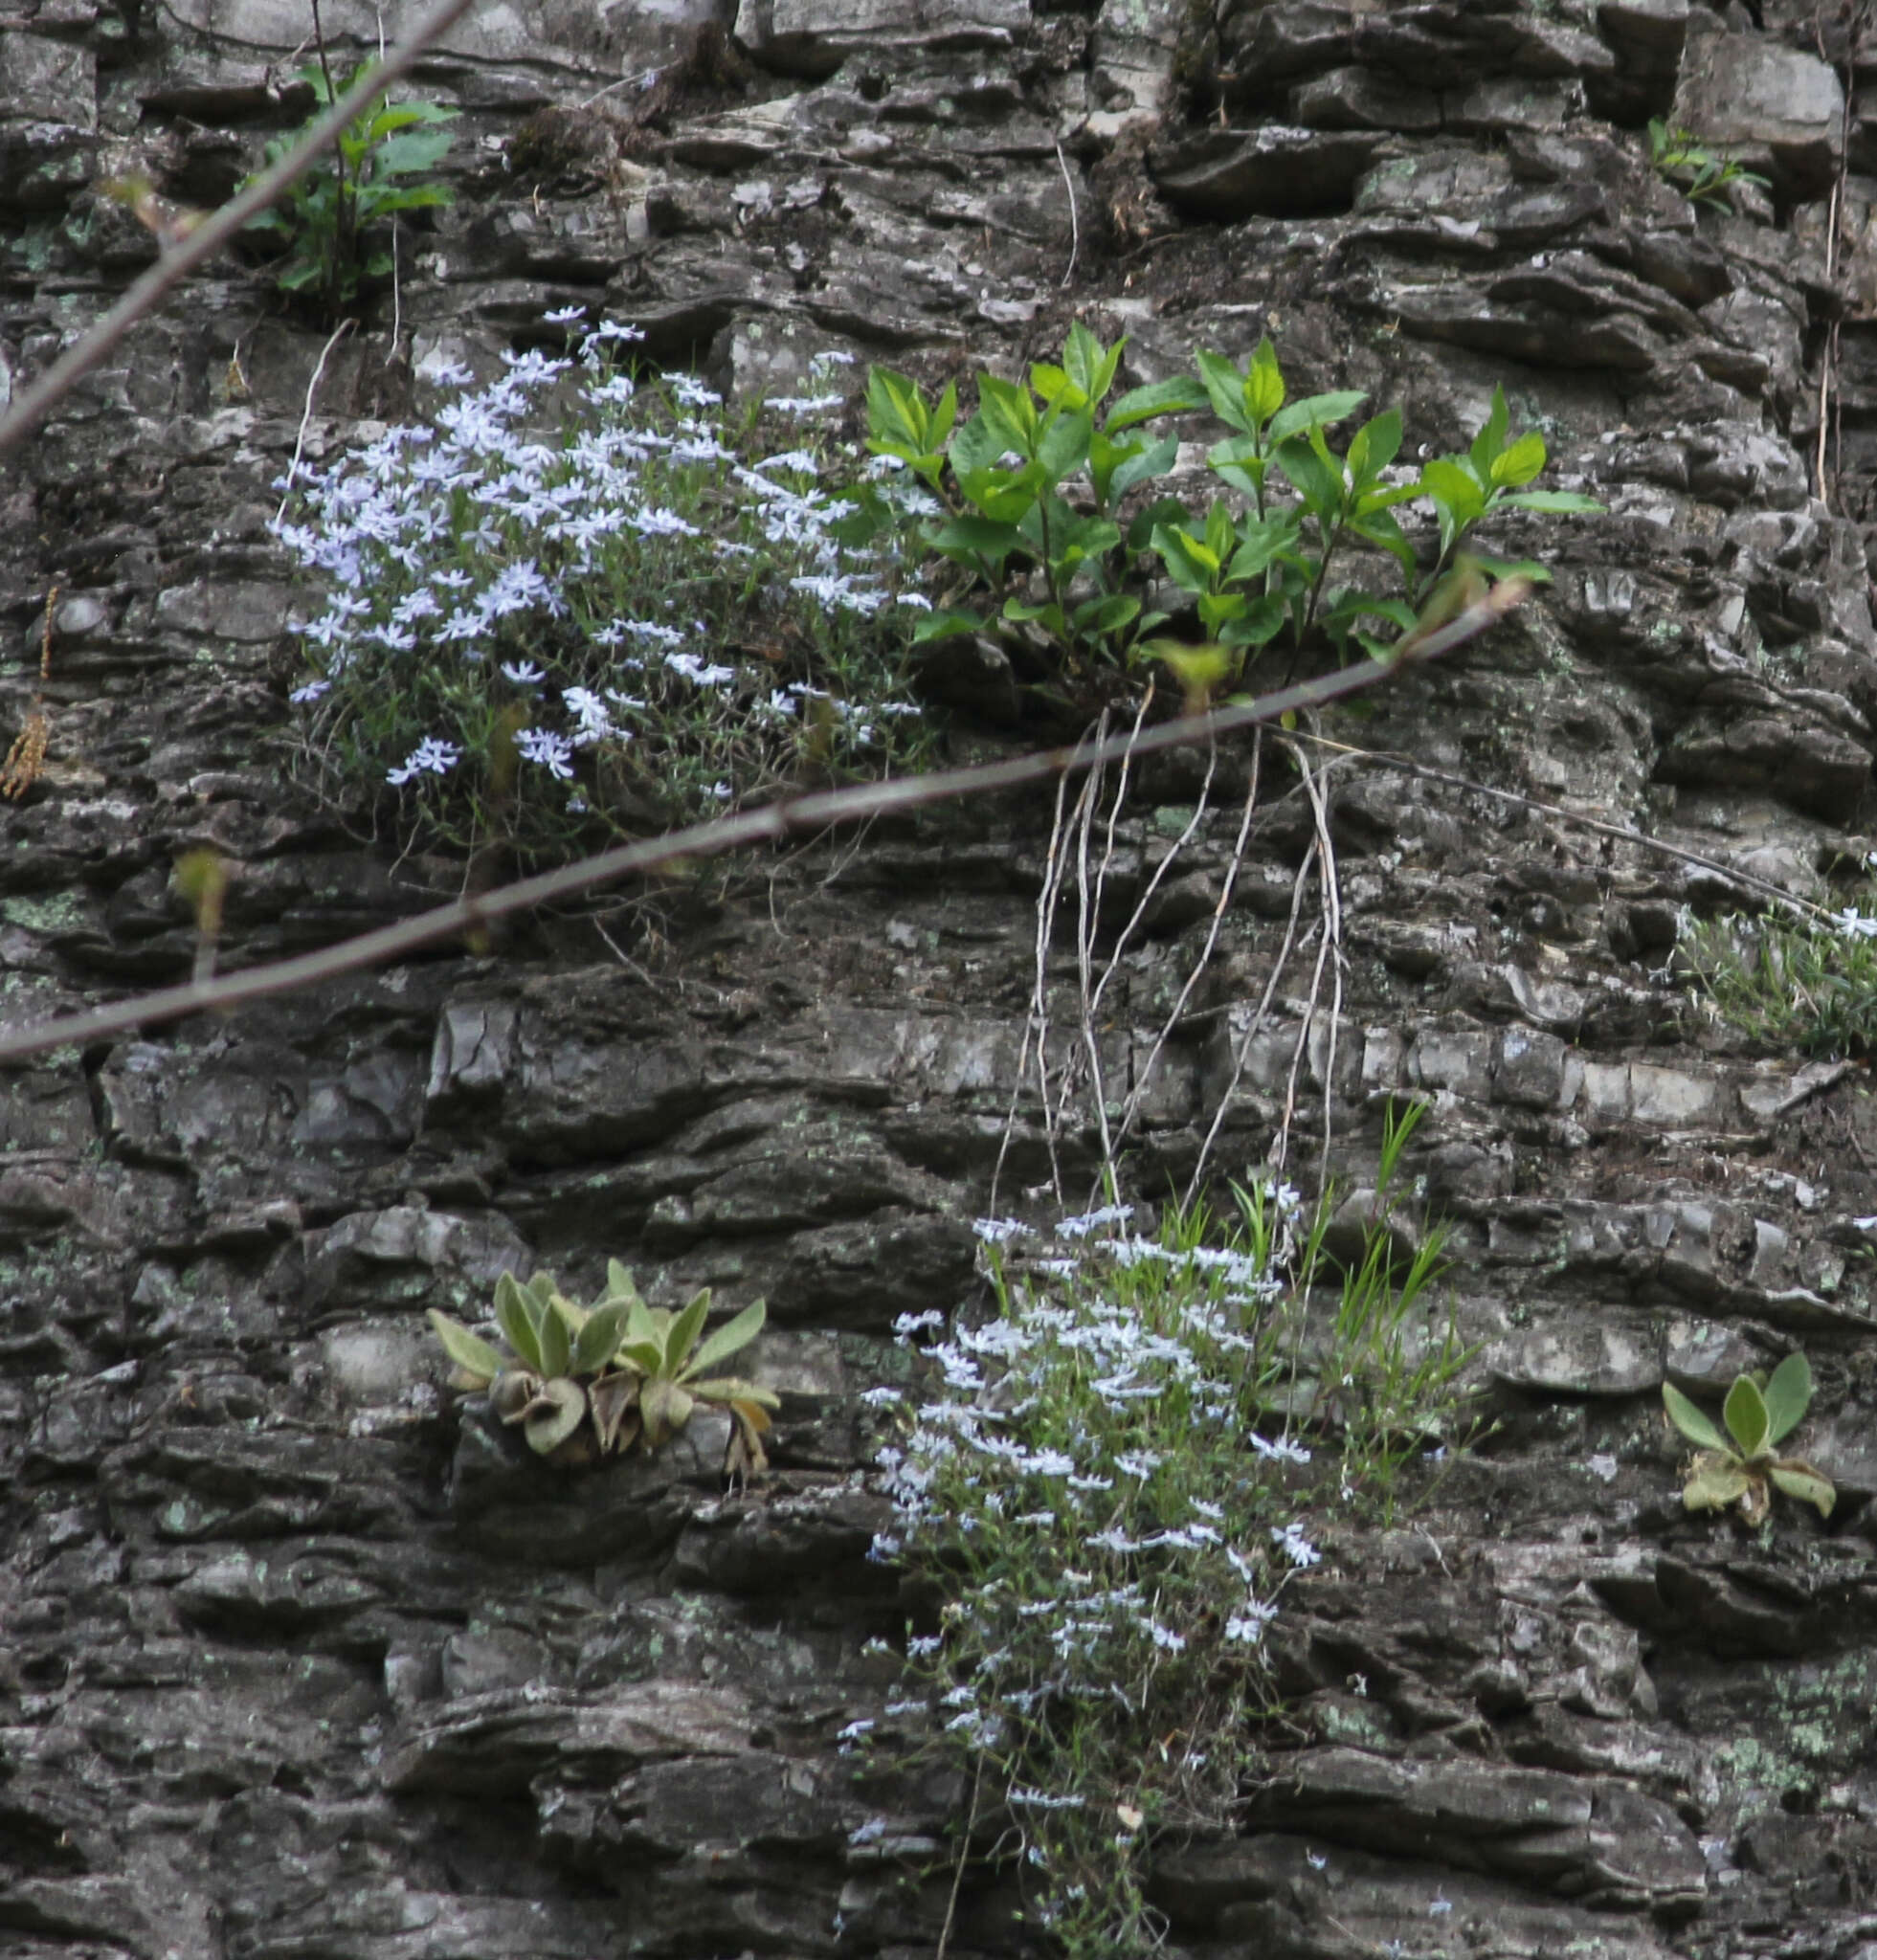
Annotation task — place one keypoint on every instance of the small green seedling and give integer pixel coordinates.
(1741, 1471)
(1695, 170)
(586, 1382)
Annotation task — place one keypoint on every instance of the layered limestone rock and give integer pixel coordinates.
(297, 1659)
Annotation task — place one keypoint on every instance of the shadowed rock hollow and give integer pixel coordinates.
(296, 1665)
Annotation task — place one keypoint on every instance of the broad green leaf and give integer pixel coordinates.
(1379, 439)
(647, 1323)
(947, 623)
(938, 424)
(1064, 446)
(1317, 482)
(1084, 360)
(598, 1340)
(1009, 412)
(731, 1389)
(376, 203)
(645, 1354)
(515, 1316)
(1378, 527)
(1513, 468)
(1808, 1486)
(556, 1346)
(1369, 606)
(1689, 1419)
(974, 537)
(1314, 411)
(1107, 615)
(1744, 1413)
(1048, 615)
(1451, 480)
(1491, 438)
(1262, 622)
(1153, 461)
(736, 1332)
(1264, 389)
(1180, 395)
(1049, 384)
(682, 1334)
(895, 409)
(977, 446)
(1788, 1396)
(1260, 544)
(1189, 564)
(1225, 390)
(1715, 1485)
(469, 1352)
(416, 150)
(555, 1414)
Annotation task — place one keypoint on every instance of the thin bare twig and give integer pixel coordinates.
(1075, 222)
(339, 333)
(1137, 1095)
(1036, 1022)
(210, 236)
(819, 811)
(1242, 1054)
(963, 1857)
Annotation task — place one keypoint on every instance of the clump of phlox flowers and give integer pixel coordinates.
(1102, 1486)
(575, 601)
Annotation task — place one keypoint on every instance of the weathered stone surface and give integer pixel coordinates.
(1779, 110)
(299, 1653)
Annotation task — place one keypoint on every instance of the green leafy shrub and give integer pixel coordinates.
(549, 625)
(332, 222)
(1740, 1468)
(1109, 1486)
(1807, 982)
(589, 1382)
(1040, 505)
(1695, 170)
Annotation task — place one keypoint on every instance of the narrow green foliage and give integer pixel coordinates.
(1047, 518)
(586, 1382)
(1111, 1486)
(333, 222)
(1696, 171)
(1807, 983)
(1740, 1467)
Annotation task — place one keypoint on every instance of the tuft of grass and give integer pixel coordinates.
(1805, 983)
(1113, 1479)
(584, 603)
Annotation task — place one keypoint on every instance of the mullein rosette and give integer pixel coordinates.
(584, 1382)
(1741, 1468)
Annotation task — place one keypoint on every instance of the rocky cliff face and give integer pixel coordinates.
(293, 1664)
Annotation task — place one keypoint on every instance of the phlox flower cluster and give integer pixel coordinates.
(1098, 1481)
(573, 590)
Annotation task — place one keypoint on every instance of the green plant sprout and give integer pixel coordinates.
(1030, 502)
(1740, 1468)
(592, 1382)
(1695, 171)
(330, 221)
